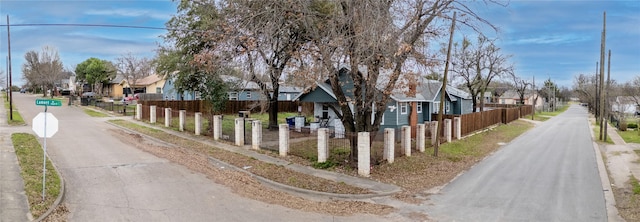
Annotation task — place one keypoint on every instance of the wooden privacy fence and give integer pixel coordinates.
(232, 107)
(472, 122)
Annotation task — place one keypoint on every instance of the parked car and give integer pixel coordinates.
(88, 94)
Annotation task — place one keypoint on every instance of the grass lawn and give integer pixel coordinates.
(630, 136)
(94, 113)
(554, 113)
(596, 133)
(30, 155)
(17, 118)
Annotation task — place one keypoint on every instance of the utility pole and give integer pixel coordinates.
(596, 101)
(10, 83)
(443, 88)
(606, 95)
(535, 100)
(602, 52)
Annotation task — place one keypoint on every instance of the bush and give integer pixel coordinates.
(632, 125)
(622, 127)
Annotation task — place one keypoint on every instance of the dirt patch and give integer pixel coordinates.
(58, 215)
(628, 203)
(244, 185)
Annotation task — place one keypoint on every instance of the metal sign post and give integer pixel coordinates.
(41, 128)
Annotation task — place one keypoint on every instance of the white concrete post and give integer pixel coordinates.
(389, 145)
(406, 140)
(420, 137)
(182, 117)
(284, 139)
(167, 117)
(239, 132)
(152, 114)
(434, 132)
(457, 125)
(139, 111)
(323, 145)
(217, 127)
(364, 154)
(198, 123)
(447, 129)
(256, 134)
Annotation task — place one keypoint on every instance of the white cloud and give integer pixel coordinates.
(130, 13)
(550, 39)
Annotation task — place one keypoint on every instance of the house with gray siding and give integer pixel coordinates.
(426, 101)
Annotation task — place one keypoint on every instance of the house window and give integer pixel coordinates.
(158, 90)
(233, 96)
(419, 107)
(436, 107)
(403, 108)
(325, 112)
(382, 120)
(248, 95)
(447, 107)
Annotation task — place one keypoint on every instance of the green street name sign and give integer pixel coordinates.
(48, 102)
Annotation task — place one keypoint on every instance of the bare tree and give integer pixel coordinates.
(134, 68)
(478, 65)
(43, 68)
(585, 88)
(520, 85)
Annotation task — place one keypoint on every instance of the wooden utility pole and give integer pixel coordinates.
(10, 83)
(535, 100)
(443, 88)
(596, 99)
(606, 97)
(602, 52)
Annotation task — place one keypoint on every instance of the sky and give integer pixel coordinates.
(546, 39)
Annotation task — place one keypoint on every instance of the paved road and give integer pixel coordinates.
(547, 174)
(108, 180)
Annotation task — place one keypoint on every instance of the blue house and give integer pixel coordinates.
(425, 102)
(170, 93)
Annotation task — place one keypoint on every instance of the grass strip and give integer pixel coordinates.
(270, 171)
(30, 155)
(94, 113)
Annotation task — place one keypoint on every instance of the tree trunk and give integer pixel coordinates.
(273, 112)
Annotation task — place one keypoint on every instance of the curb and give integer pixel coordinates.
(607, 192)
(300, 191)
(58, 200)
(273, 184)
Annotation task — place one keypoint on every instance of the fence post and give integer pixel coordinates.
(182, 117)
(389, 145)
(217, 127)
(139, 111)
(256, 134)
(323, 145)
(406, 140)
(167, 117)
(284, 139)
(420, 137)
(457, 126)
(434, 132)
(239, 131)
(364, 151)
(447, 129)
(152, 114)
(198, 123)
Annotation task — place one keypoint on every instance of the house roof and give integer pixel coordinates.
(148, 80)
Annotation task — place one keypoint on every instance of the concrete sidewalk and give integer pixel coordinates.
(14, 205)
(379, 189)
(621, 159)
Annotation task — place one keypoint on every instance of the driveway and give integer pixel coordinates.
(547, 174)
(108, 180)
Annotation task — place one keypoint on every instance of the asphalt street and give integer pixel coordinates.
(108, 180)
(547, 174)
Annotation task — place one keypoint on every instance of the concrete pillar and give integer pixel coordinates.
(434, 132)
(256, 134)
(364, 153)
(152, 114)
(405, 139)
(182, 119)
(139, 111)
(239, 131)
(284, 139)
(457, 126)
(420, 137)
(217, 127)
(447, 129)
(323, 145)
(198, 117)
(167, 117)
(389, 145)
